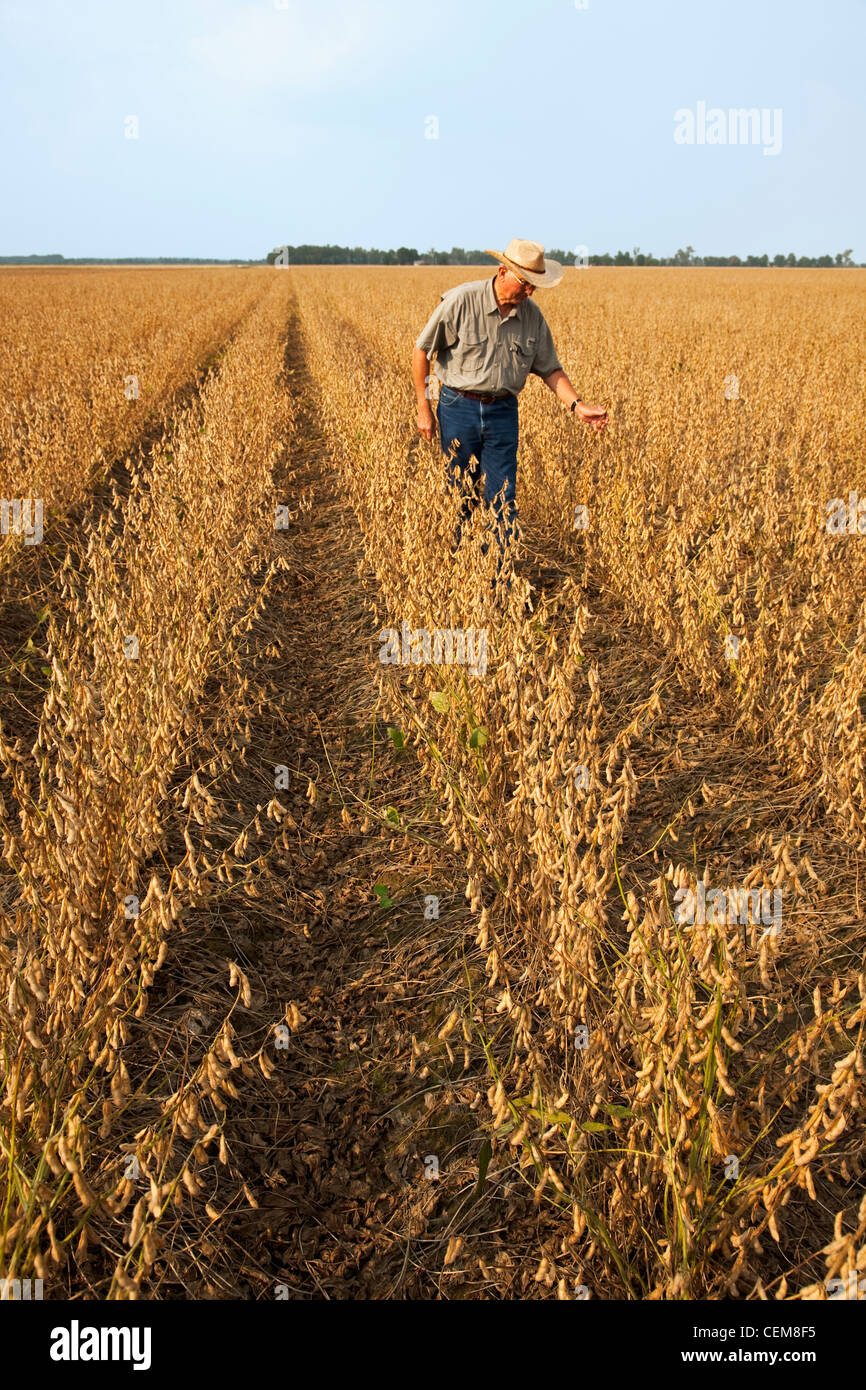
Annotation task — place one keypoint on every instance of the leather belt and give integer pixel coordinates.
(486, 397)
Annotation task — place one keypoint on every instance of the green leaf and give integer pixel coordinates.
(392, 815)
(397, 738)
(440, 700)
(593, 1127)
(478, 738)
(620, 1112)
(554, 1117)
(381, 891)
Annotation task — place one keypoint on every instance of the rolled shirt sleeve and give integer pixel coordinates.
(440, 331)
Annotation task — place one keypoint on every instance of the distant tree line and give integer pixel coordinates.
(688, 257)
(409, 255)
(362, 255)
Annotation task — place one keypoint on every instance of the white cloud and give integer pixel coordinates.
(301, 45)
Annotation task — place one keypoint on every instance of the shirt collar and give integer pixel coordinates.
(492, 305)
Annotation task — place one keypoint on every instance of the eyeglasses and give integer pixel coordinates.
(525, 283)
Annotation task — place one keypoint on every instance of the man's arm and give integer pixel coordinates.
(439, 333)
(594, 415)
(420, 376)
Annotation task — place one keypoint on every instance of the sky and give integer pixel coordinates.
(224, 128)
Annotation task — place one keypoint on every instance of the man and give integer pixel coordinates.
(488, 336)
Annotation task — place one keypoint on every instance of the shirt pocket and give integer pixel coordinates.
(470, 354)
(523, 352)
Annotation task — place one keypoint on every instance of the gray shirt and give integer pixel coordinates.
(479, 350)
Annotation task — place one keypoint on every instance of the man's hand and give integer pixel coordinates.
(426, 420)
(594, 415)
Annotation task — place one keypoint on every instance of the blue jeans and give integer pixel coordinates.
(487, 437)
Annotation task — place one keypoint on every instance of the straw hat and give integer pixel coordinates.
(527, 259)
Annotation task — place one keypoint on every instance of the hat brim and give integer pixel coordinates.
(553, 271)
